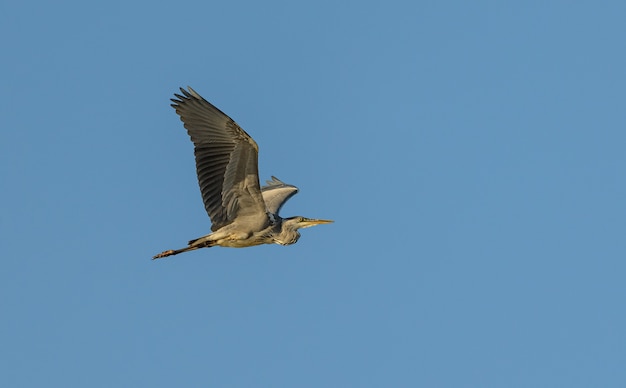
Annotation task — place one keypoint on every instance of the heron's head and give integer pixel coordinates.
(289, 233)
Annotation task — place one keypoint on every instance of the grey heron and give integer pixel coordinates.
(242, 213)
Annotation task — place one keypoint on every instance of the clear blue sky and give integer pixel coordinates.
(472, 155)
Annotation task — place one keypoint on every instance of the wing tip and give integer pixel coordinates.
(185, 96)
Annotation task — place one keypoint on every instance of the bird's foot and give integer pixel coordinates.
(164, 254)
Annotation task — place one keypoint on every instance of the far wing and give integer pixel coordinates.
(276, 193)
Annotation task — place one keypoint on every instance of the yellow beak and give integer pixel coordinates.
(308, 222)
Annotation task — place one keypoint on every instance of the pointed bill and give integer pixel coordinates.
(308, 222)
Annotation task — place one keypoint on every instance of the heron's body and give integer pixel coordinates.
(243, 213)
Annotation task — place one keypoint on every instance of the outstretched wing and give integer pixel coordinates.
(226, 160)
(276, 193)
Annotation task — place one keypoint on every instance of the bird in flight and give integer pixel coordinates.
(243, 214)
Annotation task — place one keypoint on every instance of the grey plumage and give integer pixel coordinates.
(242, 213)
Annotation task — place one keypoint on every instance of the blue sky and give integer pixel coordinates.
(471, 154)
